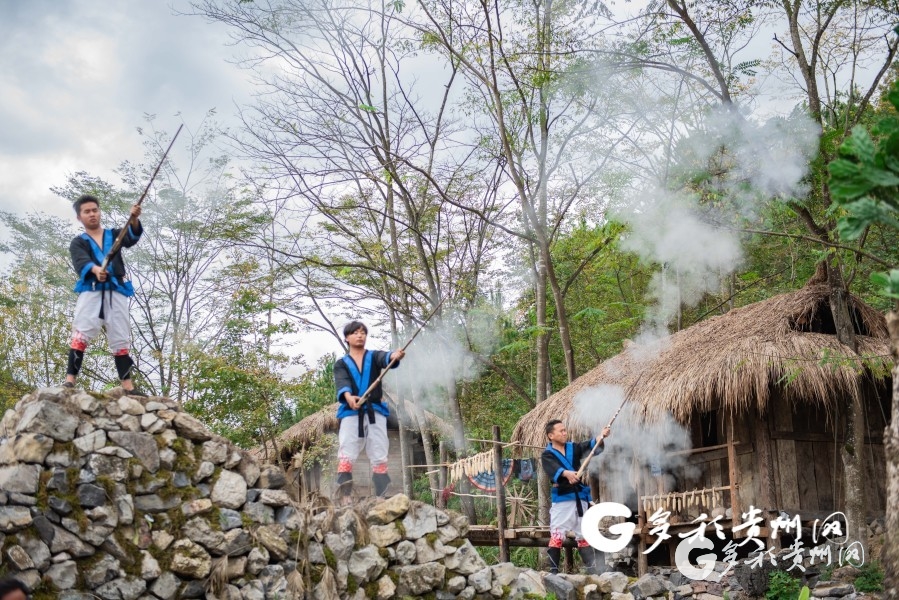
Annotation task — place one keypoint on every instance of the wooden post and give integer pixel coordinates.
(500, 495)
(736, 509)
(765, 460)
(642, 559)
(441, 476)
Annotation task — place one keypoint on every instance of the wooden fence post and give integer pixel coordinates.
(441, 477)
(500, 495)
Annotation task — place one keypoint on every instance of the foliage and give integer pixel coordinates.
(865, 184)
(236, 386)
(782, 586)
(870, 579)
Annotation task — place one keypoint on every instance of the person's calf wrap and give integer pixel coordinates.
(382, 480)
(76, 357)
(588, 555)
(345, 483)
(123, 365)
(555, 558)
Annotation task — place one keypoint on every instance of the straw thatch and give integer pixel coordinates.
(735, 362)
(309, 430)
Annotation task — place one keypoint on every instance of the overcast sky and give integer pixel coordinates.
(79, 75)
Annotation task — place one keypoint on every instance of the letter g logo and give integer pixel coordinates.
(590, 526)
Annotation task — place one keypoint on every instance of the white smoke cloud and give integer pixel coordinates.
(758, 160)
(438, 356)
(655, 444)
(745, 163)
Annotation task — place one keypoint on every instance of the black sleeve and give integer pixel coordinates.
(129, 239)
(382, 359)
(551, 466)
(342, 380)
(82, 259)
(582, 449)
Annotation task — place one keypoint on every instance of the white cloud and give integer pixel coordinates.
(79, 76)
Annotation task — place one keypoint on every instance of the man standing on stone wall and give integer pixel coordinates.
(103, 294)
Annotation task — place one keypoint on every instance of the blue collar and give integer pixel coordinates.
(100, 253)
(358, 377)
(567, 459)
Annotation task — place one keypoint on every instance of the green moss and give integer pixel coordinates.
(456, 543)
(176, 520)
(181, 445)
(371, 590)
(351, 584)
(215, 476)
(383, 553)
(316, 572)
(394, 577)
(42, 495)
(399, 525)
(44, 591)
(215, 518)
(72, 474)
(65, 447)
(431, 538)
(186, 457)
(246, 521)
(108, 484)
(161, 444)
(132, 565)
(329, 557)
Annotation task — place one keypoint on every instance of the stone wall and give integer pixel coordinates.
(121, 498)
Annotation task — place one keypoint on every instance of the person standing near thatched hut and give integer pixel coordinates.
(362, 424)
(570, 498)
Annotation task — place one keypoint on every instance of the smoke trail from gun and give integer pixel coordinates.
(744, 164)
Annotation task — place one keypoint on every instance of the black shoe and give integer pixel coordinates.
(135, 392)
(68, 385)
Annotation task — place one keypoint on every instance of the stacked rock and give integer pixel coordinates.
(120, 498)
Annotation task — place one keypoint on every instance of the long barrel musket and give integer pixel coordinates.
(586, 461)
(375, 383)
(117, 244)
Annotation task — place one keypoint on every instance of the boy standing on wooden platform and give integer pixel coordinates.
(570, 498)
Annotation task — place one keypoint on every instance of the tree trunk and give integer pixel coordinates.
(461, 443)
(427, 442)
(853, 450)
(402, 417)
(544, 373)
(890, 557)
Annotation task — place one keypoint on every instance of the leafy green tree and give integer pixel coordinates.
(36, 304)
(236, 386)
(865, 186)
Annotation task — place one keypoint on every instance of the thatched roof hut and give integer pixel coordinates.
(759, 394)
(782, 347)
